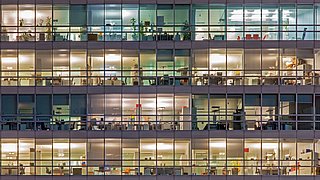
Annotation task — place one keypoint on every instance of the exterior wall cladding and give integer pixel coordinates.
(159, 89)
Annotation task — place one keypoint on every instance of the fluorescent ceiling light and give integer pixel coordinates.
(266, 145)
(9, 147)
(67, 145)
(126, 13)
(13, 147)
(9, 60)
(27, 14)
(218, 58)
(74, 59)
(158, 146)
(113, 57)
(218, 144)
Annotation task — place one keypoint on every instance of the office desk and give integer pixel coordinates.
(4, 37)
(131, 171)
(163, 171)
(9, 82)
(114, 82)
(151, 80)
(270, 81)
(269, 171)
(237, 125)
(60, 171)
(215, 126)
(165, 80)
(212, 79)
(218, 37)
(234, 81)
(56, 81)
(76, 171)
(43, 81)
(270, 125)
(114, 126)
(287, 127)
(180, 80)
(170, 80)
(289, 81)
(163, 37)
(9, 170)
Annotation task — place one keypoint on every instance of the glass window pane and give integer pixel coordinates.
(60, 99)
(96, 104)
(44, 104)
(288, 22)
(60, 15)
(95, 14)
(305, 104)
(9, 15)
(78, 104)
(201, 19)
(26, 104)
(78, 15)
(27, 16)
(182, 14)
(9, 104)
(252, 100)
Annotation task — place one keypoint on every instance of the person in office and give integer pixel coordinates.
(21, 169)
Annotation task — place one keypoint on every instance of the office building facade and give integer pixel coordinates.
(160, 89)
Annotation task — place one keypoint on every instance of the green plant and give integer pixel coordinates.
(48, 28)
(186, 31)
(286, 23)
(134, 28)
(286, 28)
(133, 23)
(141, 29)
(40, 22)
(21, 22)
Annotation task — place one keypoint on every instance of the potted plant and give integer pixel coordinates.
(286, 29)
(40, 22)
(100, 36)
(48, 28)
(21, 22)
(186, 31)
(83, 33)
(141, 30)
(134, 28)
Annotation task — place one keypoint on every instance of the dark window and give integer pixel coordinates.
(78, 104)
(9, 104)
(305, 104)
(44, 104)
(252, 100)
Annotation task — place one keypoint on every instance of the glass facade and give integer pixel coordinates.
(166, 90)
(161, 22)
(148, 112)
(163, 156)
(145, 67)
